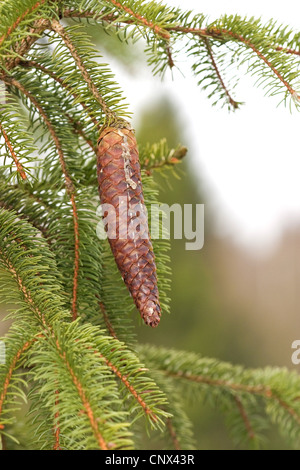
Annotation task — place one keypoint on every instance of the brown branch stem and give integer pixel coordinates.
(143, 21)
(172, 433)
(245, 418)
(127, 384)
(107, 320)
(202, 32)
(69, 184)
(232, 102)
(59, 29)
(87, 406)
(19, 19)
(54, 76)
(9, 145)
(10, 371)
(261, 390)
(56, 425)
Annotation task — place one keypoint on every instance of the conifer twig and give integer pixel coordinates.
(59, 29)
(245, 418)
(19, 19)
(107, 320)
(10, 371)
(69, 184)
(23, 46)
(86, 404)
(262, 57)
(149, 24)
(19, 166)
(252, 389)
(231, 101)
(202, 32)
(56, 426)
(132, 390)
(173, 434)
(54, 76)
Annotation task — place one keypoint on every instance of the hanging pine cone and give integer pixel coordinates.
(120, 186)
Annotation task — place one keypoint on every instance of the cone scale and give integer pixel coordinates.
(120, 188)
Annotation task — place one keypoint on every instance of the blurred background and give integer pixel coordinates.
(237, 299)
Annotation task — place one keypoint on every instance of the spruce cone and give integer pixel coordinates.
(119, 178)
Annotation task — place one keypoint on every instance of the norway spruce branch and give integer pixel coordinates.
(222, 384)
(266, 48)
(68, 181)
(16, 144)
(82, 340)
(62, 257)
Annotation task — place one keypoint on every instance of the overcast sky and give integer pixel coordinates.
(250, 159)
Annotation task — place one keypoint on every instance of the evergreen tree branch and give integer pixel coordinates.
(78, 129)
(107, 320)
(86, 404)
(231, 101)
(13, 154)
(249, 44)
(141, 20)
(19, 19)
(56, 426)
(271, 389)
(50, 334)
(245, 418)
(54, 76)
(11, 369)
(115, 354)
(59, 29)
(23, 46)
(158, 155)
(203, 33)
(214, 33)
(173, 434)
(287, 50)
(26, 205)
(69, 184)
(131, 389)
(261, 390)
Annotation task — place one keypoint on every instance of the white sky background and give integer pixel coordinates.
(248, 161)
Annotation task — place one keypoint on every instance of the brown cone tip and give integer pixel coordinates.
(119, 175)
(151, 314)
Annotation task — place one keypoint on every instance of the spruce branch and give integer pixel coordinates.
(173, 434)
(287, 50)
(56, 429)
(231, 101)
(53, 338)
(159, 155)
(141, 20)
(107, 320)
(132, 390)
(13, 153)
(59, 29)
(54, 76)
(78, 129)
(11, 369)
(87, 387)
(245, 418)
(19, 19)
(103, 445)
(277, 388)
(69, 183)
(252, 46)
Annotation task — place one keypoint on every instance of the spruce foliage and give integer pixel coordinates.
(74, 375)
